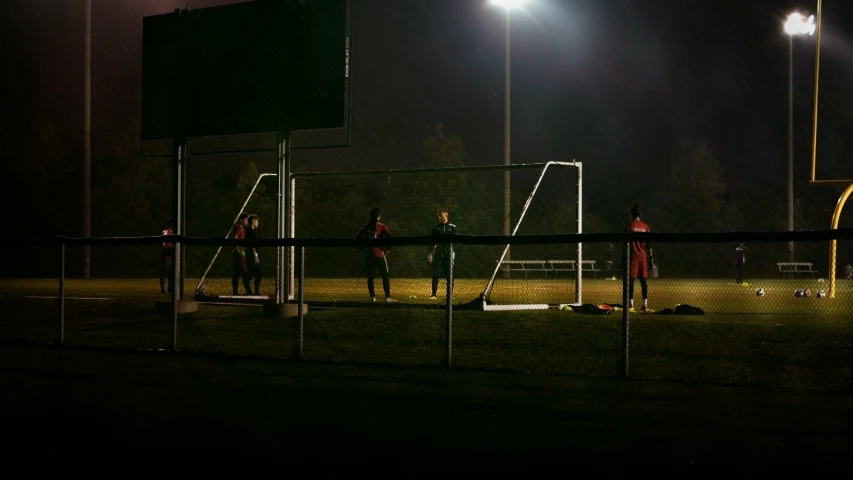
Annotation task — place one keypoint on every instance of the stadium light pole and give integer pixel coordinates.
(508, 6)
(87, 141)
(796, 24)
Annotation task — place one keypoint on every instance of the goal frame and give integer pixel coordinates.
(487, 305)
(286, 225)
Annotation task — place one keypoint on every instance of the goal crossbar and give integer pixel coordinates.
(401, 171)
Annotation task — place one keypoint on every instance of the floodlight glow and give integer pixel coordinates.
(798, 25)
(509, 4)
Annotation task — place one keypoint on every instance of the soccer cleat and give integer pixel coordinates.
(433, 297)
(372, 299)
(632, 310)
(390, 300)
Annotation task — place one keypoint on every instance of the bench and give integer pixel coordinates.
(571, 265)
(527, 266)
(796, 268)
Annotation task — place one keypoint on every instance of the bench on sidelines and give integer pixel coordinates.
(545, 266)
(796, 268)
(527, 266)
(571, 266)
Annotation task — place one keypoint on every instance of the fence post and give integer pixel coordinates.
(449, 305)
(61, 294)
(300, 294)
(626, 343)
(176, 293)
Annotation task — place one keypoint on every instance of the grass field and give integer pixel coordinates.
(528, 389)
(775, 340)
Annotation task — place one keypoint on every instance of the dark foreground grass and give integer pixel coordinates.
(798, 350)
(66, 402)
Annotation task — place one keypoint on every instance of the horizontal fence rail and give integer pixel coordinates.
(715, 237)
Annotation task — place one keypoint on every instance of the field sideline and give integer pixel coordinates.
(712, 295)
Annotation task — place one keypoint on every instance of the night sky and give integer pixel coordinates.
(612, 83)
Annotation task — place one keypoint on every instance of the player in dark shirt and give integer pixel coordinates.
(167, 260)
(740, 261)
(375, 257)
(439, 255)
(253, 261)
(241, 269)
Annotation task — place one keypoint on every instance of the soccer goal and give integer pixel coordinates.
(545, 199)
(549, 263)
(215, 284)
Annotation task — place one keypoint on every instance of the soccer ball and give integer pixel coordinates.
(759, 292)
(821, 294)
(802, 292)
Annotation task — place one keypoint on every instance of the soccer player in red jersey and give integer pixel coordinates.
(641, 257)
(375, 257)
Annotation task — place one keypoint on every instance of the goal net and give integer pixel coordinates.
(544, 199)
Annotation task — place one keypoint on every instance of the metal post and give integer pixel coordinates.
(816, 88)
(280, 222)
(87, 142)
(791, 144)
(286, 214)
(182, 227)
(449, 308)
(61, 294)
(625, 312)
(291, 231)
(507, 160)
(301, 302)
(836, 215)
(579, 273)
(287, 293)
(177, 276)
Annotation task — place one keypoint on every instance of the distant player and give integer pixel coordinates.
(167, 259)
(740, 261)
(641, 257)
(439, 254)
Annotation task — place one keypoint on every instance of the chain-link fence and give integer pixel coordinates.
(716, 308)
